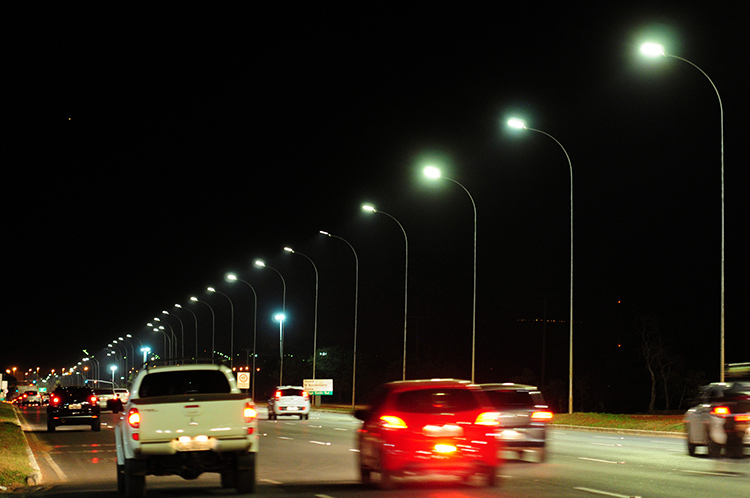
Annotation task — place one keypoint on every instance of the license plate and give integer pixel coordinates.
(292, 408)
(74, 406)
(192, 445)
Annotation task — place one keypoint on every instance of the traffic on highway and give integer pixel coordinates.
(319, 456)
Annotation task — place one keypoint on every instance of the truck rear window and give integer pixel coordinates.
(183, 382)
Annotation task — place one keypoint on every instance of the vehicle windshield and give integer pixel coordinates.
(510, 399)
(183, 382)
(436, 401)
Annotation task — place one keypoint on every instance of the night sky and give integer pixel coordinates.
(186, 144)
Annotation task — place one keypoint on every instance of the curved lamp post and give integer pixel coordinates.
(434, 173)
(231, 325)
(656, 50)
(182, 332)
(315, 327)
(371, 209)
(195, 318)
(356, 298)
(231, 277)
(213, 328)
(280, 317)
(519, 124)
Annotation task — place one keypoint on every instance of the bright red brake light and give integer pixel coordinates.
(721, 411)
(488, 418)
(92, 399)
(134, 418)
(541, 416)
(250, 413)
(277, 395)
(392, 422)
(305, 395)
(54, 401)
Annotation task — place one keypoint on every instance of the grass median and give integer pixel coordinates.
(14, 464)
(660, 423)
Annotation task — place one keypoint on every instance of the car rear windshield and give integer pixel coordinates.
(290, 392)
(75, 393)
(436, 401)
(99, 392)
(510, 399)
(183, 382)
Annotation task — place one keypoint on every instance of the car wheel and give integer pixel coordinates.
(135, 482)
(228, 480)
(96, 425)
(691, 448)
(714, 449)
(735, 448)
(244, 474)
(51, 426)
(120, 478)
(490, 475)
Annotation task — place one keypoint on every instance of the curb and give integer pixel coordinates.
(35, 478)
(630, 432)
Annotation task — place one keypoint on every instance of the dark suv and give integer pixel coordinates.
(73, 406)
(523, 417)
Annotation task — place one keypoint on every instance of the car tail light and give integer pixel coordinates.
(92, 400)
(488, 418)
(445, 448)
(277, 395)
(54, 401)
(742, 418)
(305, 395)
(250, 413)
(134, 418)
(721, 411)
(392, 422)
(541, 416)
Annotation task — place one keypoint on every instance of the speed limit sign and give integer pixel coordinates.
(243, 380)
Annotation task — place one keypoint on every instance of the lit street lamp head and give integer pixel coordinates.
(652, 49)
(193, 298)
(432, 172)
(289, 249)
(279, 317)
(516, 123)
(259, 263)
(369, 207)
(231, 277)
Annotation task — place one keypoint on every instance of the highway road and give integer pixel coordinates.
(317, 458)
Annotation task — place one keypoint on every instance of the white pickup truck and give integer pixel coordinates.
(186, 420)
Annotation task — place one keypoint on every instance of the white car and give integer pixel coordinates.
(186, 420)
(720, 419)
(289, 400)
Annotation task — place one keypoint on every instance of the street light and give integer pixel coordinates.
(213, 328)
(182, 333)
(521, 125)
(231, 277)
(280, 317)
(231, 325)
(145, 351)
(356, 298)
(371, 209)
(315, 327)
(656, 50)
(113, 368)
(434, 173)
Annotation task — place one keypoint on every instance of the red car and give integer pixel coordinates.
(428, 426)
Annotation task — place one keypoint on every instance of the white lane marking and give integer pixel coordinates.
(598, 460)
(323, 496)
(321, 443)
(703, 472)
(270, 481)
(607, 444)
(60, 474)
(286, 438)
(606, 493)
(354, 450)
(340, 429)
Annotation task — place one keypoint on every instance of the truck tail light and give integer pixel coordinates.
(250, 413)
(134, 418)
(541, 416)
(392, 422)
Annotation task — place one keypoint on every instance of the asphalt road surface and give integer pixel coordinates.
(317, 458)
